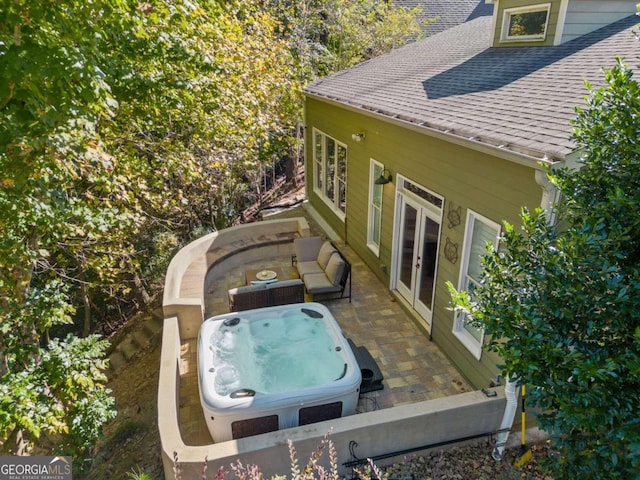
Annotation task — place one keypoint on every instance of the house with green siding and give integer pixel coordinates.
(417, 157)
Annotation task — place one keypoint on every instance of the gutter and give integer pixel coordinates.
(526, 158)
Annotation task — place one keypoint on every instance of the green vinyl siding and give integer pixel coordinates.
(467, 179)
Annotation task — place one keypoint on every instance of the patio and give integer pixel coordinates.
(413, 367)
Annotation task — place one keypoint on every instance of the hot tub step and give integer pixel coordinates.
(371, 374)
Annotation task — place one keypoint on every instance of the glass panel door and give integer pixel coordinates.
(408, 252)
(430, 235)
(417, 257)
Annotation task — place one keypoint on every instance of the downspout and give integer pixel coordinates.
(550, 196)
(511, 394)
(548, 201)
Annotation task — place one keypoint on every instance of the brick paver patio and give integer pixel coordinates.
(413, 367)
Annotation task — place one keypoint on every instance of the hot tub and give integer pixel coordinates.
(273, 368)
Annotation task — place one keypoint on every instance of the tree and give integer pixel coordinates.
(120, 121)
(330, 35)
(562, 306)
(210, 98)
(57, 216)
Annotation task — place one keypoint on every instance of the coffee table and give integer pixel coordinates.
(253, 274)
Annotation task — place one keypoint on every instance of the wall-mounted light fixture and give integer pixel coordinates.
(384, 179)
(356, 137)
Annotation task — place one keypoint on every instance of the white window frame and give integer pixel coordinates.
(319, 173)
(374, 218)
(506, 23)
(467, 339)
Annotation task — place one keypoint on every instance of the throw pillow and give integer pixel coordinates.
(335, 269)
(325, 254)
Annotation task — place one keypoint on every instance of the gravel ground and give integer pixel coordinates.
(469, 462)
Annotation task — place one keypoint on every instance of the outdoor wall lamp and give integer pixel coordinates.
(384, 179)
(357, 136)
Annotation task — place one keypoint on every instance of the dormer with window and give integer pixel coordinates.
(520, 23)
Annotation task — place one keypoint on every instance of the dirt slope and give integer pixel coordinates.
(131, 439)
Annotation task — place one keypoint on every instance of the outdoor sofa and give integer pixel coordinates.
(322, 267)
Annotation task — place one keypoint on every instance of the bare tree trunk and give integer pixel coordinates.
(299, 153)
(86, 329)
(146, 298)
(16, 444)
(290, 169)
(274, 176)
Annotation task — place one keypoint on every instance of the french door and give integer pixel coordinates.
(417, 240)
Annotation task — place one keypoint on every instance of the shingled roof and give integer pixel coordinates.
(518, 99)
(448, 13)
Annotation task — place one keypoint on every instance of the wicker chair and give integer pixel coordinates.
(266, 295)
(286, 292)
(249, 297)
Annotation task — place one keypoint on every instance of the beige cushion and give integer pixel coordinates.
(285, 283)
(305, 268)
(318, 283)
(248, 289)
(306, 248)
(335, 268)
(325, 254)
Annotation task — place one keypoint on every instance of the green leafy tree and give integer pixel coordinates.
(59, 392)
(562, 306)
(208, 103)
(122, 122)
(58, 215)
(330, 35)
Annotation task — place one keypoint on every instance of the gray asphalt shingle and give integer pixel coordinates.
(522, 98)
(447, 13)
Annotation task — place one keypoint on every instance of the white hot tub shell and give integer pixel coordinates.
(274, 368)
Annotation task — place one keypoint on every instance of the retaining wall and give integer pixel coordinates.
(375, 433)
